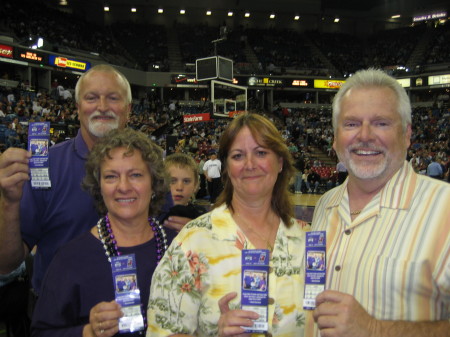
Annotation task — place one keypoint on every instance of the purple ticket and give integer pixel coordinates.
(38, 143)
(315, 275)
(127, 292)
(255, 286)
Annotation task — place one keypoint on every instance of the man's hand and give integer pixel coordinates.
(338, 315)
(14, 172)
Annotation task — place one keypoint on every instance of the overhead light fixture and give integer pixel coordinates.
(336, 20)
(208, 12)
(106, 9)
(160, 10)
(230, 13)
(247, 14)
(39, 43)
(63, 2)
(395, 16)
(133, 10)
(182, 11)
(297, 17)
(272, 16)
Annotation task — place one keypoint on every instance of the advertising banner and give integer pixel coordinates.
(30, 55)
(328, 84)
(64, 62)
(6, 51)
(196, 118)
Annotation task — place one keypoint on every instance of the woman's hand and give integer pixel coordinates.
(103, 320)
(231, 321)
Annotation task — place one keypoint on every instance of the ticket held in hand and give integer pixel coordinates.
(315, 268)
(255, 286)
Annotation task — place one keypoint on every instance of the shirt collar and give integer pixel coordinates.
(395, 194)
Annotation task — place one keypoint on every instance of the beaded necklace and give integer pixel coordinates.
(109, 242)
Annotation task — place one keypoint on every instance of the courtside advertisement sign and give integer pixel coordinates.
(64, 62)
(196, 118)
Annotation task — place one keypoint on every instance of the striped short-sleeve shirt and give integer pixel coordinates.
(394, 257)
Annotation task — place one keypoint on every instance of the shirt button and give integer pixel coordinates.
(271, 300)
(348, 231)
(337, 268)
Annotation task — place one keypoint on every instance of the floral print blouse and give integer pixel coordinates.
(203, 264)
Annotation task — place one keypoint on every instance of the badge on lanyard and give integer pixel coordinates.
(38, 143)
(127, 292)
(315, 275)
(255, 286)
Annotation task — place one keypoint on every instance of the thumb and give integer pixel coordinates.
(223, 302)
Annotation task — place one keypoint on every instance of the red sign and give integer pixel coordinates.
(196, 118)
(6, 51)
(61, 62)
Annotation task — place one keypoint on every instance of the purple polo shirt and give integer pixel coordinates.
(51, 218)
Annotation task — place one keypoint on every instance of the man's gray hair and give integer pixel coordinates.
(368, 78)
(105, 68)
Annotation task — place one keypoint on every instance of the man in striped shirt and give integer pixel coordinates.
(388, 240)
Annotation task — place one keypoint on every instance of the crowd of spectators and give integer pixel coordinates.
(430, 141)
(30, 19)
(145, 45)
(307, 131)
(392, 47)
(196, 41)
(284, 49)
(148, 44)
(439, 52)
(336, 47)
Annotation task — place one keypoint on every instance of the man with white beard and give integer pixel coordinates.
(48, 218)
(387, 227)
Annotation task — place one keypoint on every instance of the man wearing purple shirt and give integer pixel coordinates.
(50, 218)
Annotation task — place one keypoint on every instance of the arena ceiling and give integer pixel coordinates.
(372, 8)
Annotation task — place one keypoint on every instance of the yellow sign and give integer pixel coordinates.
(328, 84)
(64, 62)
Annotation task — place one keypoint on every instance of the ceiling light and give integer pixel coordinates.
(395, 16)
(336, 20)
(230, 13)
(272, 16)
(133, 10)
(182, 11)
(297, 17)
(208, 12)
(106, 9)
(247, 14)
(160, 10)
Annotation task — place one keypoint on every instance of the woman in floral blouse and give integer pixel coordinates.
(203, 263)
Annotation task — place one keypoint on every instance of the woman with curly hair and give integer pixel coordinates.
(125, 175)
